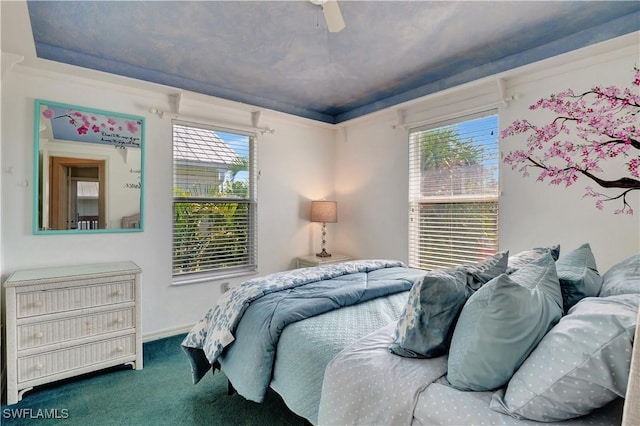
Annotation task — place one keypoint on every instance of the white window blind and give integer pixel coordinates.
(214, 201)
(453, 192)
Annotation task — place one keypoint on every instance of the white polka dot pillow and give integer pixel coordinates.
(581, 364)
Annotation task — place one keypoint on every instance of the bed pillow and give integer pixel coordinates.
(525, 257)
(502, 323)
(622, 278)
(424, 327)
(435, 300)
(482, 272)
(580, 365)
(579, 277)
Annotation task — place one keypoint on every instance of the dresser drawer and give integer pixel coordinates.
(63, 360)
(65, 329)
(70, 298)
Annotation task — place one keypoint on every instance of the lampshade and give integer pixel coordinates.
(324, 211)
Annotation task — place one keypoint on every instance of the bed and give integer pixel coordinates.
(331, 361)
(407, 391)
(339, 304)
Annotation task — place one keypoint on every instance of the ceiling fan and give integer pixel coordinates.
(332, 14)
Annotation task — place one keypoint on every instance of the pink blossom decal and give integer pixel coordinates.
(132, 126)
(95, 128)
(589, 128)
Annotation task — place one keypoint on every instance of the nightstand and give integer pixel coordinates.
(313, 260)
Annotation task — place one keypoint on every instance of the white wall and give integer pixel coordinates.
(371, 181)
(372, 161)
(535, 212)
(295, 163)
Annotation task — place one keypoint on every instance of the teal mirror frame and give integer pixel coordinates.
(96, 122)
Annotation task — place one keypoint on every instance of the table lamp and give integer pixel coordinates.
(325, 212)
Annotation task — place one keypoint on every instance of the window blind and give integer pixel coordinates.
(214, 201)
(453, 192)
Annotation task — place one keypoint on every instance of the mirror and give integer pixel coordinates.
(88, 170)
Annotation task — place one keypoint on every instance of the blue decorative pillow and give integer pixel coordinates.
(482, 272)
(523, 258)
(502, 323)
(579, 277)
(435, 300)
(581, 364)
(622, 278)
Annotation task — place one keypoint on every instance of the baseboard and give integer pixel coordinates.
(3, 374)
(156, 335)
(3, 365)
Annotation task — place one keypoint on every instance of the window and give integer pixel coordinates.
(453, 193)
(214, 202)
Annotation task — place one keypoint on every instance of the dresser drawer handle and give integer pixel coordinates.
(119, 293)
(119, 320)
(37, 303)
(39, 335)
(38, 366)
(119, 349)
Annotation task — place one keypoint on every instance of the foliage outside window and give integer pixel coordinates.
(214, 202)
(453, 193)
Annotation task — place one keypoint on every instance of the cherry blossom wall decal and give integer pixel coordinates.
(589, 129)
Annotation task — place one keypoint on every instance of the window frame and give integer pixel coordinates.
(417, 199)
(251, 266)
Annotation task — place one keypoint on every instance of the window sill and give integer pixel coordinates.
(210, 278)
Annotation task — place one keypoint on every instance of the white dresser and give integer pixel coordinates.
(71, 320)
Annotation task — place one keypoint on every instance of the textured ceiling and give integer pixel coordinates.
(279, 54)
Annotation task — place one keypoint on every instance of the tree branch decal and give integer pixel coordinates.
(590, 127)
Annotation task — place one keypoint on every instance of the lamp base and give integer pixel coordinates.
(323, 253)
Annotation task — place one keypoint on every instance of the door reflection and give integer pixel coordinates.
(77, 193)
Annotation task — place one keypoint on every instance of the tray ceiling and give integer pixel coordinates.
(279, 54)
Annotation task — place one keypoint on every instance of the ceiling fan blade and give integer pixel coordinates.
(333, 16)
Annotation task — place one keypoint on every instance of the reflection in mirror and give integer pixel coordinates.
(88, 169)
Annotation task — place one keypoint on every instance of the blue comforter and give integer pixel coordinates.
(271, 303)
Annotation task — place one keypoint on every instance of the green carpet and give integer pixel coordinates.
(162, 393)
